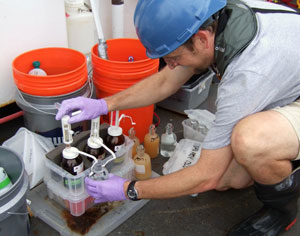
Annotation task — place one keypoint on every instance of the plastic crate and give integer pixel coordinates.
(196, 129)
(69, 190)
(189, 97)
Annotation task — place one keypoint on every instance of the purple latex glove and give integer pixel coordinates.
(90, 109)
(108, 190)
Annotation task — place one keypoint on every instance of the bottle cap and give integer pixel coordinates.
(115, 131)
(70, 153)
(36, 64)
(94, 142)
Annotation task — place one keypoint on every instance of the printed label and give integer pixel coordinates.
(72, 183)
(140, 169)
(78, 169)
(120, 150)
(119, 147)
(192, 155)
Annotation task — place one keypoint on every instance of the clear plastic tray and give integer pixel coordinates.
(69, 190)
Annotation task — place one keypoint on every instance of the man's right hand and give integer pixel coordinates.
(90, 109)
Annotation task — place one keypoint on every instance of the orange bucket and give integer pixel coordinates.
(127, 65)
(66, 71)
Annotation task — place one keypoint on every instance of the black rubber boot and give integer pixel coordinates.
(279, 211)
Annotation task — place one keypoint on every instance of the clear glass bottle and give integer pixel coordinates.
(142, 161)
(135, 139)
(168, 141)
(151, 142)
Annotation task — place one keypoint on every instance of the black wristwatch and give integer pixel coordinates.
(132, 193)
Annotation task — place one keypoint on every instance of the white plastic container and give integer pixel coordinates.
(198, 124)
(81, 29)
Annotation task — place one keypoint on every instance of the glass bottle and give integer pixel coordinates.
(168, 141)
(151, 142)
(136, 141)
(115, 141)
(99, 172)
(142, 161)
(94, 143)
(71, 162)
(93, 147)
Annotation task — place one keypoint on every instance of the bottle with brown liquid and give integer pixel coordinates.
(135, 139)
(142, 161)
(151, 142)
(94, 143)
(72, 163)
(115, 141)
(93, 147)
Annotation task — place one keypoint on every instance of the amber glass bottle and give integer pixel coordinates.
(151, 142)
(142, 161)
(135, 139)
(72, 163)
(115, 141)
(93, 147)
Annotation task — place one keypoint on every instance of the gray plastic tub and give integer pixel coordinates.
(14, 219)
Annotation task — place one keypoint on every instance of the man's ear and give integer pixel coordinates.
(202, 36)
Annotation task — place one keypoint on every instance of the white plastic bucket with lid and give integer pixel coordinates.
(14, 220)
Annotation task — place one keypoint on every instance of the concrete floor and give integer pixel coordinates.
(209, 214)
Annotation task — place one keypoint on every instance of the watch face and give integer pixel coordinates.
(131, 193)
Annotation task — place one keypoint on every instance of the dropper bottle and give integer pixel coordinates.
(151, 142)
(135, 139)
(142, 161)
(94, 143)
(168, 141)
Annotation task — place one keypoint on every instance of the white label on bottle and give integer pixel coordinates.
(140, 169)
(117, 148)
(120, 150)
(78, 169)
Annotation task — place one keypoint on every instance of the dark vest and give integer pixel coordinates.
(237, 27)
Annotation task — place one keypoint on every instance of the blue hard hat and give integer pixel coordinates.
(164, 25)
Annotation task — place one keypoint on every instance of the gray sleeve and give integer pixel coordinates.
(239, 94)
